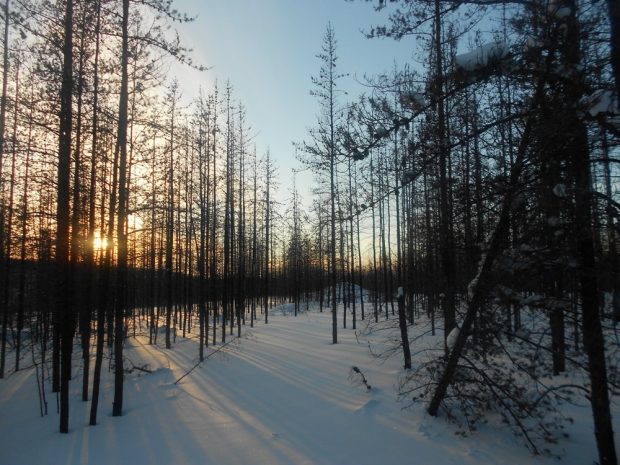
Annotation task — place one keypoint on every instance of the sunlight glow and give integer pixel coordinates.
(99, 243)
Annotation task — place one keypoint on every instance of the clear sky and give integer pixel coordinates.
(268, 48)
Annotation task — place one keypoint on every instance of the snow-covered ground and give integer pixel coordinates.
(282, 394)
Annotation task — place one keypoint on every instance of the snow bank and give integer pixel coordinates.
(344, 289)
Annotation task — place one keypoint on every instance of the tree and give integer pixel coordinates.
(119, 315)
(64, 308)
(269, 172)
(323, 146)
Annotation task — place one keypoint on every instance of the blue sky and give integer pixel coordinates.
(268, 48)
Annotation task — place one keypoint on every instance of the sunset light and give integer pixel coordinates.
(99, 243)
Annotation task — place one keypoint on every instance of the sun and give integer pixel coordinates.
(99, 243)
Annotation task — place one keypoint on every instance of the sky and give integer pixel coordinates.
(267, 49)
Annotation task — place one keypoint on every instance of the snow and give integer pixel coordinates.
(344, 289)
(452, 337)
(481, 56)
(563, 12)
(532, 43)
(471, 287)
(413, 100)
(559, 190)
(558, 9)
(281, 394)
(553, 6)
(602, 102)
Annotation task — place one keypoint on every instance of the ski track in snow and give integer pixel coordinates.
(279, 395)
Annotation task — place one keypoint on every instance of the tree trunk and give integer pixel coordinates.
(64, 307)
(11, 206)
(3, 101)
(614, 20)
(578, 151)
(447, 252)
(119, 314)
(21, 297)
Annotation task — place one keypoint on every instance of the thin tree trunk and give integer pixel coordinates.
(267, 238)
(84, 317)
(64, 307)
(24, 237)
(11, 206)
(614, 20)
(119, 314)
(374, 246)
(91, 226)
(3, 291)
(447, 252)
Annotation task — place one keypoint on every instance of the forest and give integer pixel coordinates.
(471, 194)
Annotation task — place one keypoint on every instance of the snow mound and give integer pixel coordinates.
(368, 407)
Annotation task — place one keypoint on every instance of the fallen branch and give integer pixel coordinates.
(357, 373)
(143, 369)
